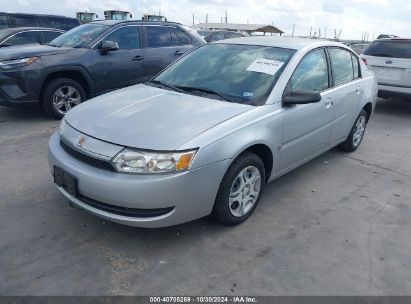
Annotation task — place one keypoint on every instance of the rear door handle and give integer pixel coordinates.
(358, 90)
(178, 53)
(138, 58)
(328, 103)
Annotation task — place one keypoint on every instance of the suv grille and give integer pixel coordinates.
(89, 160)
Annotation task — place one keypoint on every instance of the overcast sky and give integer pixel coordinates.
(352, 16)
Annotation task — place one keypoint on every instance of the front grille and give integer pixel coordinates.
(89, 160)
(124, 211)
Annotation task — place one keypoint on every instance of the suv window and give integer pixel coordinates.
(49, 36)
(179, 37)
(341, 62)
(24, 38)
(22, 21)
(127, 37)
(158, 36)
(311, 73)
(232, 35)
(4, 22)
(390, 48)
(217, 37)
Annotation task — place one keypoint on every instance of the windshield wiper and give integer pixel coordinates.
(207, 91)
(177, 89)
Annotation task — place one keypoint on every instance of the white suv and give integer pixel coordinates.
(390, 60)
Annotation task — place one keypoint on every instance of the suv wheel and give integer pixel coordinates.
(240, 190)
(60, 95)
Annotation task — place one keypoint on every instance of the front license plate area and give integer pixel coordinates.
(65, 180)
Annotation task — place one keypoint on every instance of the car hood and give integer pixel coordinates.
(30, 50)
(150, 118)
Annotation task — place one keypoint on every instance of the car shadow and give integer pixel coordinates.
(394, 106)
(28, 113)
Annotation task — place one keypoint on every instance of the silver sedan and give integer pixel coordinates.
(207, 134)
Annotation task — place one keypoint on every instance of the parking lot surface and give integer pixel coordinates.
(340, 225)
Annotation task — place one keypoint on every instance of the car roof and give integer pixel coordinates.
(396, 39)
(38, 15)
(294, 43)
(115, 22)
(11, 30)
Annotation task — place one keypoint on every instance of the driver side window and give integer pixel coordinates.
(127, 37)
(311, 73)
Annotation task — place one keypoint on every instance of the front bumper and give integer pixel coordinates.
(190, 194)
(18, 88)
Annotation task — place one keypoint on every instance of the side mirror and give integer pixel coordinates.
(109, 46)
(302, 97)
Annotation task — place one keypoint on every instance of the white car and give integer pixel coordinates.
(390, 60)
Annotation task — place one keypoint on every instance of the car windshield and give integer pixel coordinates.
(243, 74)
(80, 36)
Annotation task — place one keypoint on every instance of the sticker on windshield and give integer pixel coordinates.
(248, 94)
(265, 66)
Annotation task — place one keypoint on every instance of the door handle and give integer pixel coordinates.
(328, 103)
(358, 90)
(178, 53)
(138, 58)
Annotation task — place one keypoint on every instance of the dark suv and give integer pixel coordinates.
(8, 20)
(90, 60)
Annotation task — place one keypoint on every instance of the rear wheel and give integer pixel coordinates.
(60, 95)
(357, 133)
(240, 190)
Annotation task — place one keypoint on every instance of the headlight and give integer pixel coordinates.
(141, 162)
(61, 126)
(16, 63)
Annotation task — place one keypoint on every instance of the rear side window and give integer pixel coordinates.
(392, 49)
(24, 38)
(341, 63)
(158, 36)
(127, 37)
(4, 22)
(356, 67)
(179, 37)
(21, 20)
(49, 36)
(311, 73)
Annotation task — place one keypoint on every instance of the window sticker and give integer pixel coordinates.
(266, 66)
(248, 94)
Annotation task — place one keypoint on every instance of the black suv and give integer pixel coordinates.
(8, 20)
(90, 60)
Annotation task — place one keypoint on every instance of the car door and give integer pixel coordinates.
(29, 37)
(120, 68)
(347, 92)
(307, 127)
(164, 44)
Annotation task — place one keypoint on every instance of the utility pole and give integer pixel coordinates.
(193, 19)
(206, 18)
(319, 32)
(226, 17)
(293, 30)
(311, 30)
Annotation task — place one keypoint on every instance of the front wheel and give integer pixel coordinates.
(240, 190)
(60, 95)
(356, 135)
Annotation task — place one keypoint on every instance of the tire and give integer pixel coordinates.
(65, 91)
(354, 139)
(248, 163)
